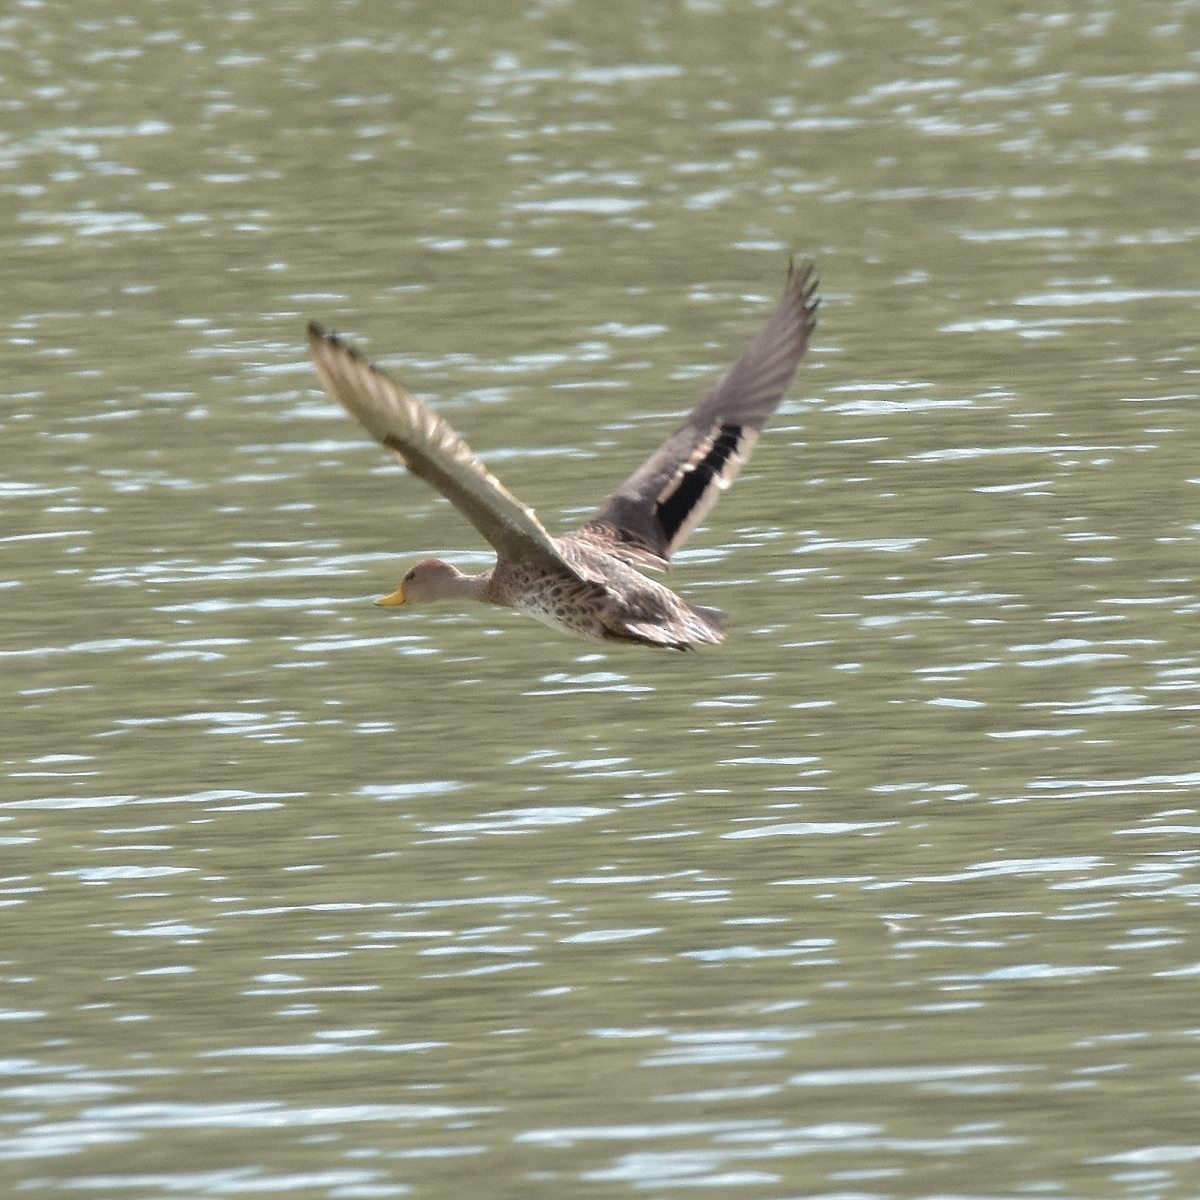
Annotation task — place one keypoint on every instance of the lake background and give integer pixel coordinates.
(894, 895)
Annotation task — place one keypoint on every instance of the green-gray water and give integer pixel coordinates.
(892, 896)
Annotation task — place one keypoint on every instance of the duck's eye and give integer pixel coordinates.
(408, 578)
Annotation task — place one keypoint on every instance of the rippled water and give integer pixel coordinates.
(893, 895)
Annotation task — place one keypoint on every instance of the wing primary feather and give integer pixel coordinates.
(431, 449)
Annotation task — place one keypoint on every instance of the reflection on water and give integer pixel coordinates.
(889, 896)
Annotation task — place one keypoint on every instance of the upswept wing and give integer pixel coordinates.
(429, 448)
(652, 513)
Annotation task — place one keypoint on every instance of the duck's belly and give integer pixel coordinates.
(576, 608)
(560, 601)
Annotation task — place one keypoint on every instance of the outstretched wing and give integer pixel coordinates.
(428, 447)
(651, 514)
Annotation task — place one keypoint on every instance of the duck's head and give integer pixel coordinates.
(428, 581)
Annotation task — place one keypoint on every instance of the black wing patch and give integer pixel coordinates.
(679, 506)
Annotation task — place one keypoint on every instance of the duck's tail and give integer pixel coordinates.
(700, 626)
(714, 618)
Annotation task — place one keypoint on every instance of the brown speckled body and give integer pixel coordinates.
(605, 599)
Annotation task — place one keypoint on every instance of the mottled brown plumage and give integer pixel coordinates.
(589, 581)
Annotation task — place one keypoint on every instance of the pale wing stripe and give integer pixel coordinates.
(431, 449)
(710, 480)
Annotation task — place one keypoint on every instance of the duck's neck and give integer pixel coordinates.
(470, 587)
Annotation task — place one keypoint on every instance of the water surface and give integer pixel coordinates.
(893, 895)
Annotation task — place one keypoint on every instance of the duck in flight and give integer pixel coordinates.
(590, 581)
